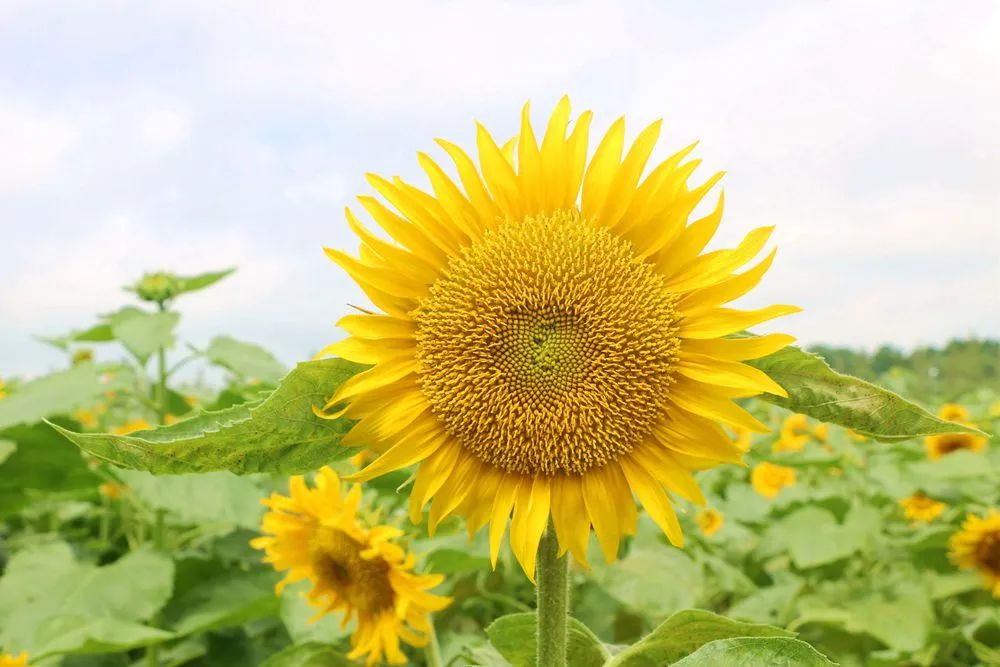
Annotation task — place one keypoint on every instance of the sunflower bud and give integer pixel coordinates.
(83, 355)
(157, 287)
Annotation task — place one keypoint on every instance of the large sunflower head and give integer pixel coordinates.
(314, 534)
(977, 545)
(942, 445)
(553, 335)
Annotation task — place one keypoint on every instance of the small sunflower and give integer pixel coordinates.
(3, 393)
(8, 660)
(920, 508)
(315, 535)
(769, 479)
(794, 434)
(132, 427)
(742, 437)
(111, 491)
(86, 417)
(977, 545)
(953, 412)
(941, 445)
(553, 337)
(710, 521)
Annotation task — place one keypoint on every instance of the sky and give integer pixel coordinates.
(192, 136)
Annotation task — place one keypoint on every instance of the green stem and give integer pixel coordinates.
(432, 652)
(159, 540)
(161, 383)
(553, 601)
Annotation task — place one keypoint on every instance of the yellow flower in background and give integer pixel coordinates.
(921, 508)
(953, 412)
(87, 418)
(941, 445)
(995, 409)
(8, 660)
(977, 545)
(742, 437)
(552, 337)
(314, 534)
(769, 479)
(111, 491)
(794, 434)
(82, 355)
(710, 521)
(821, 432)
(856, 437)
(132, 426)
(3, 393)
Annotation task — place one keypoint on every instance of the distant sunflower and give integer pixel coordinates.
(742, 436)
(953, 412)
(794, 434)
(769, 479)
(315, 535)
(977, 545)
(8, 660)
(920, 508)
(552, 336)
(132, 427)
(3, 394)
(941, 445)
(710, 521)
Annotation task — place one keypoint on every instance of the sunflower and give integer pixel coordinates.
(742, 436)
(3, 393)
(953, 412)
(710, 521)
(132, 427)
(941, 445)
(315, 535)
(552, 338)
(769, 479)
(794, 434)
(8, 660)
(920, 508)
(111, 491)
(977, 545)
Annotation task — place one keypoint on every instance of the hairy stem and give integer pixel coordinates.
(553, 601)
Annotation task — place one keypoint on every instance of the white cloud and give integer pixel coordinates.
(159, 131)
(34, 146)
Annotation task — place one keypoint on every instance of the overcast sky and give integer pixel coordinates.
(193, 136)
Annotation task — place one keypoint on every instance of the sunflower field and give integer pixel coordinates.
(546, 440)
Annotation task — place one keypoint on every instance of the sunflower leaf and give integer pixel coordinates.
(817, 390)
(515, 636)
(279, 433)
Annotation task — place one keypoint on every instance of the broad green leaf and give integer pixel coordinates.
(683, 633)
(297, 616)
(99, 333)
(249, 361)
(201, 281)
(756, 652)
(227, 599)
(60, 393)
(7, 447)
(278, 434)
(452, 561)
(515, 636)
(42, 462)
(652, 581)
(901, 618)
(209, 498)
(812, 536)
(312, 654)
(71, 634)
(773, 604)
(817, 390)
(44, 587)
(144, 333)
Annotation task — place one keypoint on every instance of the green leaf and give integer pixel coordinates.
(452, 561)
(7, 447)
(817, 390)
(59, 393)
(312, 654)
(297, 616)
(515, 636)
(99, 333)
(773, 604)
(227, 599)
(683, 633)
(51, 603)
(278, 434)
(652, 581)
(812, 536)
(209, 498)
(755, 652)
(144, 333)
(42, 462)
(249, 361)
(201, 281)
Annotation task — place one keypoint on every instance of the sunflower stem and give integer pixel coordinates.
(553, 601)
(432, 652)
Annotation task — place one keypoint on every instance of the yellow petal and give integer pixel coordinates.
(602, 169)
(727, 374)
(654, 499)
(720, 322)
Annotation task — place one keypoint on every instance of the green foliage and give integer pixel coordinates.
(58, 394)
(278, 434)
(248, 361)
(817, 390)
(754, 651)
(516, 638)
